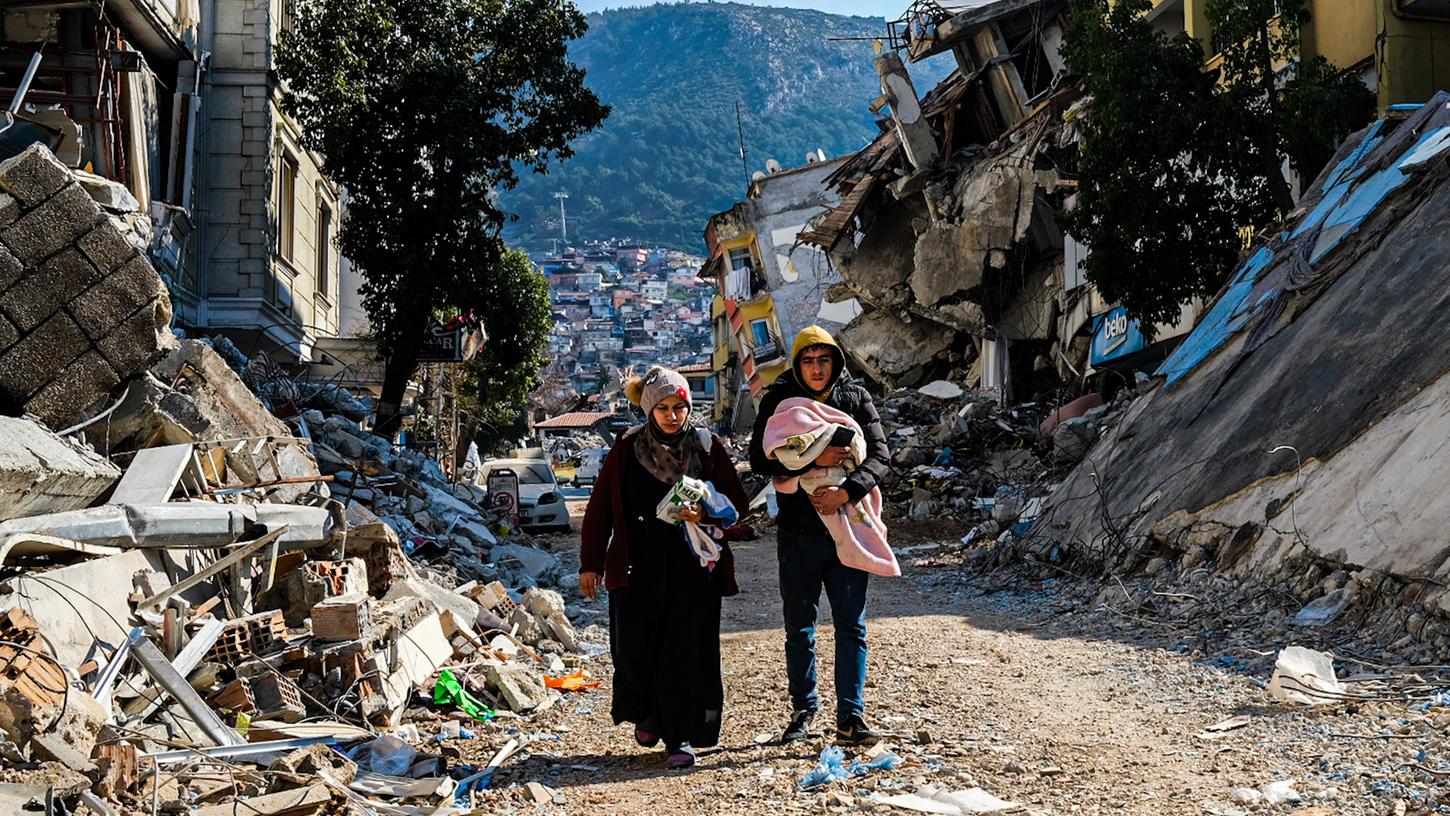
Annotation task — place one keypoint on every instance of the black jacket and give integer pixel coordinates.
(796, 512)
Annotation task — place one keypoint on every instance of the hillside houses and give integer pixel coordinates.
(622, 308)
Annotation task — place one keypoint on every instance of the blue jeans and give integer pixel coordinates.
(807, 562)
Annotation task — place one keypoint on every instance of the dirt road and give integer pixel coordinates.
(980, 688)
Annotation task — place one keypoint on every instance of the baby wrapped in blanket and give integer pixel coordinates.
(796, 434)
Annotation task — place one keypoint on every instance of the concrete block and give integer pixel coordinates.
(141, 339)
(106, 248)
(46, 229)
(8, 334)
(521, 687)
(40, 294)
(39, 356)
(9, 210)
(33, 176)
(104, 306)
(10, 269)
(84, 382)
(43, 473)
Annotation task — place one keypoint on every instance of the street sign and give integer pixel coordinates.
(503, 492)
(453, 343)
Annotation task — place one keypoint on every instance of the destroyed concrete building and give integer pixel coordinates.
(1293, 438)
(174, 109)
(189, 576)
(946, 231)
(768, 283)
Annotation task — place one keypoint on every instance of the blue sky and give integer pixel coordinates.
(865, 8)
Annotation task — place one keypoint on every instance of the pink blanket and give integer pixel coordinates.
(799, 425)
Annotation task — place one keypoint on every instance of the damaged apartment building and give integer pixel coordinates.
(171, 108)
(946, 231)
(769, 284)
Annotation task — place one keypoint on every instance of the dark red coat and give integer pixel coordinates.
(604, 544)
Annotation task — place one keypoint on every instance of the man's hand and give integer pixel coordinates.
(589, 584)
(833, 455)
(828, 500)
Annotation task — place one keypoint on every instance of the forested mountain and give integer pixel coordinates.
(669, 155)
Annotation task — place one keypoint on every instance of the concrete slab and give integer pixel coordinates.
(43, 473)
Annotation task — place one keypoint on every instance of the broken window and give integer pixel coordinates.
(286, 205)
(324, 248)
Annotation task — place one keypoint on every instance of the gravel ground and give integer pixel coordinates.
(1025, 688)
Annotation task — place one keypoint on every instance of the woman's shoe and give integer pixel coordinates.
(681, 757)
(646, 739)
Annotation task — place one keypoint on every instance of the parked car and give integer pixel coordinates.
(541, 503)
(591, 461)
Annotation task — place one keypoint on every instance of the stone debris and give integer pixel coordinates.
(220, 572)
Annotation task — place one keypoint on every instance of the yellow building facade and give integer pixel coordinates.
(1401, 47)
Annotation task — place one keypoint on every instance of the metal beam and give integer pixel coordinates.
(166, 676)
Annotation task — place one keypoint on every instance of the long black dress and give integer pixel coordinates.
(664, 628)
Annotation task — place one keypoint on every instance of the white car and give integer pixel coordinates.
(541, 503)
(591, 462)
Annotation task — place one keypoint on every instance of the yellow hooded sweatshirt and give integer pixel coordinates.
(810, 337)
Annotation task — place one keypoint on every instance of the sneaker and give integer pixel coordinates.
(799, 728)
(854, 731)
(681, 757)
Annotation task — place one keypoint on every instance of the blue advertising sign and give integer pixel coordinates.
(1115, 336)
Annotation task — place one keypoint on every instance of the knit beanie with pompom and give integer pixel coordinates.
(659, 382)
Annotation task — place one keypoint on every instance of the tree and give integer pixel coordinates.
(423, 112)
(1154, 154)
(1174, 162)
(1301, 112)
(498, 381)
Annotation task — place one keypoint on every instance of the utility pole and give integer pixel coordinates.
(563, 220)
(740, 127)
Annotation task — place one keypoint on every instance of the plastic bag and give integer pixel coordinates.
(449, 690)
(828, 769)
(389, 755)
(884, 761)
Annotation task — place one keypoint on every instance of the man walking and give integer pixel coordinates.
(806, 551)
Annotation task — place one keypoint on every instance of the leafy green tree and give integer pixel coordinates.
(497, 383)
(1175, 162)
(423, 112)
(1301, 118)
(1154, 153)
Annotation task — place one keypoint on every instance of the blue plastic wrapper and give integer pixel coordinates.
(884, 761)
(829, 768)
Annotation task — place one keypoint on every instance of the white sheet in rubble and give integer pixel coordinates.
(1305, 676)
(947, 802)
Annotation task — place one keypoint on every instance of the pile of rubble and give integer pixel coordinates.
(961, 453)
(204, 603)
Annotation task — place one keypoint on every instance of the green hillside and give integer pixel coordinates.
(668, 156)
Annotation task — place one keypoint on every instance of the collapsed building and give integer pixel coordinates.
(208, 568)
(1294, 438)
(946, 231)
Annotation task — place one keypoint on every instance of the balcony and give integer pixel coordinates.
(767, 352)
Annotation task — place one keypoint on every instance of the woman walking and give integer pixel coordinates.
(664, 595)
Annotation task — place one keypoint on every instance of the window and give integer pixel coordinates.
(286, 205)
(760, 331)
(739, 258)
(285, 15)
(324, 248)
